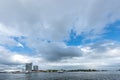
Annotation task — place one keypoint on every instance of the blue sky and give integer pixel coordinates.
(113, 31)
(74, 40)
(55, 33)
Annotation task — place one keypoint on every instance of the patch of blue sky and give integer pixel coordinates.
(74, 40)
(113, 31)
(25, 49)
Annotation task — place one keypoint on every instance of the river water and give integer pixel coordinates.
(62, 76)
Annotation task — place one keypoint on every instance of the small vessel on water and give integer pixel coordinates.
(60, 71)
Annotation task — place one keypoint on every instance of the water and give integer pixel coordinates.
(62, 76)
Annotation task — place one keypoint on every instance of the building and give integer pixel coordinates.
(28, 67)
(35, 68)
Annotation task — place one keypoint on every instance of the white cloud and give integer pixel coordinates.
(20, 45)
(8, 57)
(15, 60)
(97, 56)
(53, 20)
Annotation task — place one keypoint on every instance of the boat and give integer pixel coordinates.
(60, 71)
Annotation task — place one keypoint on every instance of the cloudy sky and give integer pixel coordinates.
(55, 34)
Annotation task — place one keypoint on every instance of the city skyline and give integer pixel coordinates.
(60, 34)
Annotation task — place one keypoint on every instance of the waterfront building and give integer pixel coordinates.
(28, 67)
(35, 68)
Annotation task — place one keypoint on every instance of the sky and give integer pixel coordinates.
(60, 34)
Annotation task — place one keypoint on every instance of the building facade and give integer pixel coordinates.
(28, 67)
(35, 68)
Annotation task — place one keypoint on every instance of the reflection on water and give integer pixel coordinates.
(28, 77)
(62, 76)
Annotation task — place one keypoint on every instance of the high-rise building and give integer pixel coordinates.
(28, 67)
(35, 68)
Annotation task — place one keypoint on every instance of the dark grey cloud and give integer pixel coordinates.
(57, 52)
